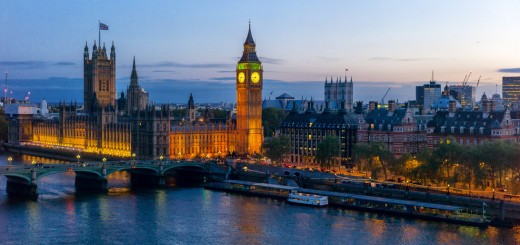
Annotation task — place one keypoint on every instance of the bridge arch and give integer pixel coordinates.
(172, 167)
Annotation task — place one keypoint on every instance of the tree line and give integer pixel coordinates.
(492, 164)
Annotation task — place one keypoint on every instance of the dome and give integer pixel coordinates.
(443, 102)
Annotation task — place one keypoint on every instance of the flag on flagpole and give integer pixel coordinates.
(484, 204)
(103, 26)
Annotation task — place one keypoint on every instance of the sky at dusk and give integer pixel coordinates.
(193, 46)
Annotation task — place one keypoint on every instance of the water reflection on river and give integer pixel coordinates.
(198, 216)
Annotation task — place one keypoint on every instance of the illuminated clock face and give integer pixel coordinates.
(241, 77)
(255, 77)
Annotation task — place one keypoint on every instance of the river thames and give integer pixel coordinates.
(196, 216)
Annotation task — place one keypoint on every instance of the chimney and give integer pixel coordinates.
(391, 105)
(372, 105)
(452, 106)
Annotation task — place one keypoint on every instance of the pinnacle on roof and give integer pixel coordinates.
(249, 39)
(133, 77)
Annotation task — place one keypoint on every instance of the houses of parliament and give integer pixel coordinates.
(132, 127)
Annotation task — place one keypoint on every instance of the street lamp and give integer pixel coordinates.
(10, 159)
(78, 157)
(161, 158)
(104, 159)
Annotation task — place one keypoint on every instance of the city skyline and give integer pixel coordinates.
(382, 44)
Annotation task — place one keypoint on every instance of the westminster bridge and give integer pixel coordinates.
(22, 180)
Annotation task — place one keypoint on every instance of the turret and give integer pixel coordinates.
(85, 53)
(94, 50)
(113, 52)
(294, 109)
(104, 50)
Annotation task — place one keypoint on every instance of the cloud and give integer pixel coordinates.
(329, 59)
(64, 63)
(227, 71)
(23, 64)
(128, 78)
(34, 64)
(509, 70)
(181, 65)
(401, 59)
(163, 71)
(273, 61)
(223, 78)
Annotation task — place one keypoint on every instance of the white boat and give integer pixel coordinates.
(307, 199)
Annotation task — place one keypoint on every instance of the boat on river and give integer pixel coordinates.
(307, 199)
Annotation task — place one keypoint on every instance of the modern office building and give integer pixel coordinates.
(306, 130)
(510, 89)
(426, 94)
(464, 94)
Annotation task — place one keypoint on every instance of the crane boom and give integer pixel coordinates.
(478, 82)
(467, 78)
(384, 96)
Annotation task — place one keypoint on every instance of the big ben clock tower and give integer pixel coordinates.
(249, 100)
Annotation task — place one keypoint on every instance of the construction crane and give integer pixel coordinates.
(466, 79)
(384, 96)
(478, 82)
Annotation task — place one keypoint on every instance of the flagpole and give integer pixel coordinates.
(99, 33)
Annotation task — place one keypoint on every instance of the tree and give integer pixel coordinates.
(445, 156)
(404, 165)
(271, 120)
(362, 156)
(277, 147)
(382, 155)
(469, 164)
(328, 148)
(425, 169)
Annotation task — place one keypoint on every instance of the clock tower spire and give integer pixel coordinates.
(249, 85)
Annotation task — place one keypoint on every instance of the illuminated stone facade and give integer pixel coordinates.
(205, 140)
(249, 82)
(138, 130)
(83, 133)
(99, 77)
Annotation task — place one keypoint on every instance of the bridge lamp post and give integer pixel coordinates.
(104, 160)
(161, 158)
(10, 159)
(133, 157)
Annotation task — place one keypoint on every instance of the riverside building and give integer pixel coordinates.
(131, 127)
